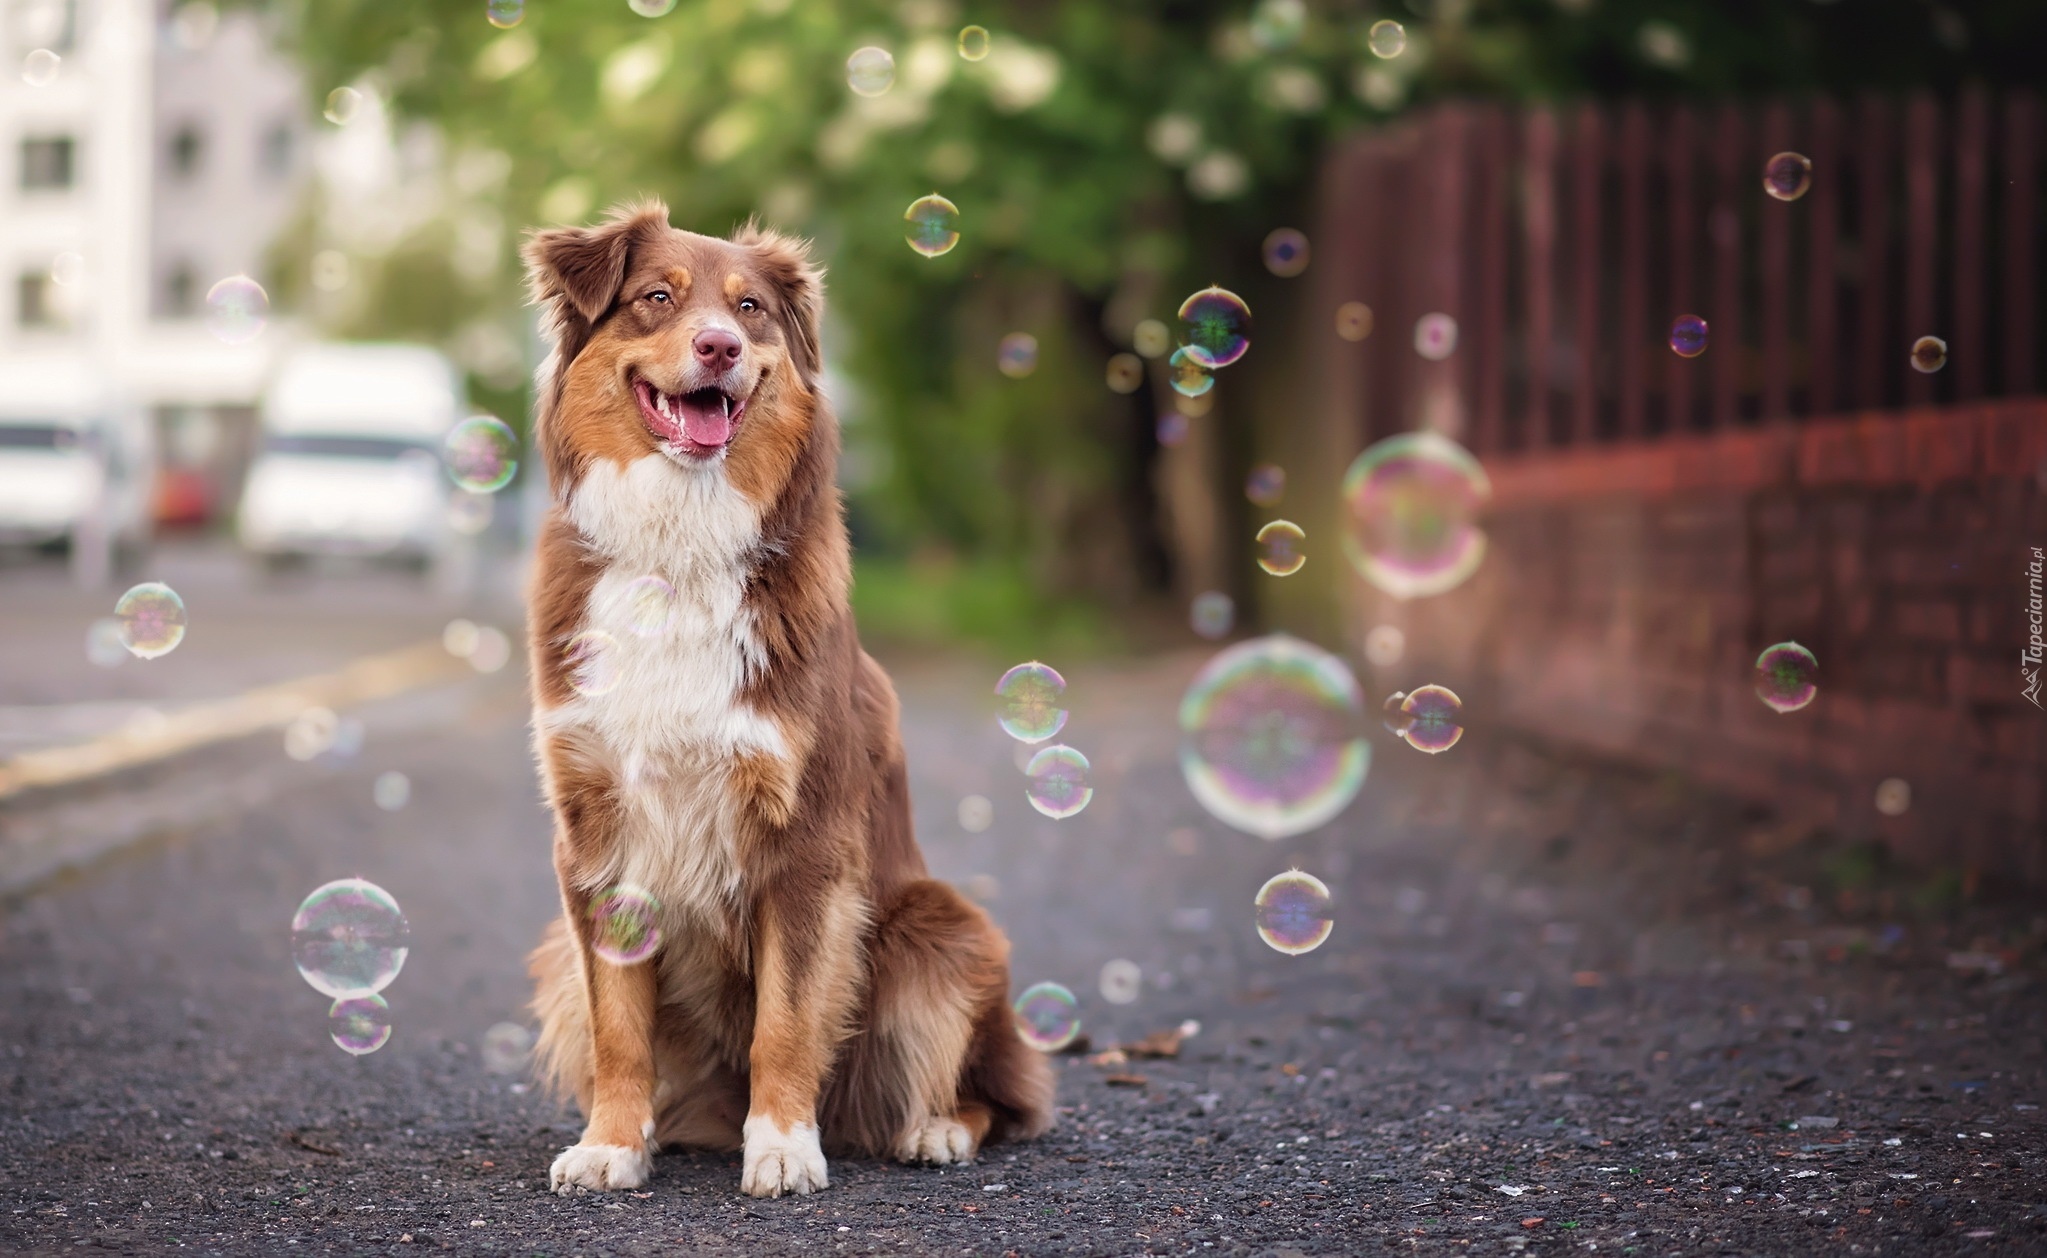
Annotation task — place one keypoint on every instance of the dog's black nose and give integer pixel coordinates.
(716, 347)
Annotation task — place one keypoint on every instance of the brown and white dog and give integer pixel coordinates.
(814, 987)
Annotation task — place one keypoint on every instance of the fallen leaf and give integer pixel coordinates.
(1164, 1043)
(302, 1141)
(1537, 1221)
(1125, 1081)
(1108, 1057)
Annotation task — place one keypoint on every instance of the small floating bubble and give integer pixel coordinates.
(359, 1024)
(237, 310)
(1387, 39)
(625, 926)
(1433, 719)
(342, 104)
(1929, 354)
(1189, 377)
(1393, 716)
(974, 43)
(481, 454)
(651, 8)
(1435, 336)
(1028, 697)
(1294, 913)
(39, 68)
(1787, 176)
(1121, 981)
(976, 814)
(1413, 502)
(1688, 336)
(505, 1048)
(1047, 1016)
(1286, 252)
(504, 14)
(1787, 677)
(1212, 614)
(152, 620)
(105, 644)
(349, 938)
(1354, 321)
(1057, 782)
(1125, 373)
(592, 658)
(1218, 326)
(1017, 355)
(1893, 797)
(934, 225)
(392, 790)
(1150, 338)
(1384, 645)
(649, 606)
(311, 733)
(1280, 550)
(1266, 485)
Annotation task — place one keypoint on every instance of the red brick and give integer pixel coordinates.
(1941, 446)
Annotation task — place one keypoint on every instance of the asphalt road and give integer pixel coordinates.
(1564, 1006)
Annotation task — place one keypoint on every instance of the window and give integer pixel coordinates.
(180, 290)
(51, 24)
(274, 158)
(188, 146)
(34, 304)
(47, 162)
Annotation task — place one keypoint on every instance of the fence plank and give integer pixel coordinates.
(1967, 347)
(1775, 230)
(2019, 254)
(1922, 225)
(1539, 228)
(1874, 139)
(1678, 157)
(1441, 386)
(1823, 283)
(1729, 163)
(1490, 139)
(1588, 160)
(1633, 340)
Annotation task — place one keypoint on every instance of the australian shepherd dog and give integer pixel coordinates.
(730, 763)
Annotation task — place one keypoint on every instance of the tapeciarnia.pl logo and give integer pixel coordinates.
(2036, 648)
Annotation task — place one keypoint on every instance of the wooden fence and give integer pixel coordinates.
(1565, 241)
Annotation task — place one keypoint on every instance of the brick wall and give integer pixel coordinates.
(1628, 590)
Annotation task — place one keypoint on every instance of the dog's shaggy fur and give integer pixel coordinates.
(813, 987)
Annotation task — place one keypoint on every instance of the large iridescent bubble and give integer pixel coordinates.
(349, 938)
(1272, 738)
(1411, 507)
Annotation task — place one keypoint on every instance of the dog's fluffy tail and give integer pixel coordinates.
(561, 1057)
(1013, 1079)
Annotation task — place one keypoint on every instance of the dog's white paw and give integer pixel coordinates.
(936, 1141)
(599, 1168)
(780, 1160)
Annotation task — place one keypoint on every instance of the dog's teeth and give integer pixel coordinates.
(666, 406)
(728, 405)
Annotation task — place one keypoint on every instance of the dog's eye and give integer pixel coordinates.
(658, 296)
(749, 304)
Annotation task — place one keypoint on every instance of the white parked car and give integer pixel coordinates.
(349, 460)
(76, 467)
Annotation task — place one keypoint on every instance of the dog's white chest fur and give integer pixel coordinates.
(661, 697)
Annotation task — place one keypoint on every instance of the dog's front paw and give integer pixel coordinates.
(936, 1141)
(780, 1159)
(599, 1168)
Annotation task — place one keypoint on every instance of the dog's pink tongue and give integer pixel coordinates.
(706, 425)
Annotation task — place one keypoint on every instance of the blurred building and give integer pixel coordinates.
(155, 150)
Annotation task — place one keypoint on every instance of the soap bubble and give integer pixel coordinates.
(1387, 39)
(359, 1024)
(504, 14)
(1688, 336)
(105, 644)
(592, 657)
(342, 104)
(459, 638)
(651, 8)
(152, 620)
(481, 454)
(1893, 797)
(1047, 1017)
(505, 1048)
(1286, 252)
(1212, 614)
(1277, 24)
(1787, 176)
(39, 68)
(67, 268)
(1272, 736)
(1017, 355)
(1266, 485)
(349, 938)
(870, 71)
(649, 606)
(1929, 354)
(974, 43)
(1353, 321)
(1279, 548)
(625, 925)
(493, 650)
(1435, 336)
(1122, 982)
(1293, 913)
(237, 309)
(1028, 698)
(934, 225)
(311, 733)
(1393, 716)
(1384, 645)
(976, 814)
(1218, 326)
(1125, 373)
(347, 741)
(392, 790)
(1056, 782)
(1412, 505)
(1150, 338)
(1432, 719)
(1787, 677)
(1189, 377)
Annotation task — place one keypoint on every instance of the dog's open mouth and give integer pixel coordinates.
(700, 422)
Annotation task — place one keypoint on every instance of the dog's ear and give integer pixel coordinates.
(575, 272)
(799, 288)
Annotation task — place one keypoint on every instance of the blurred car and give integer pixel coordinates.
(76, 467)
(348, 461)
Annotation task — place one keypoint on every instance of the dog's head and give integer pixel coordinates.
(700, 349)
